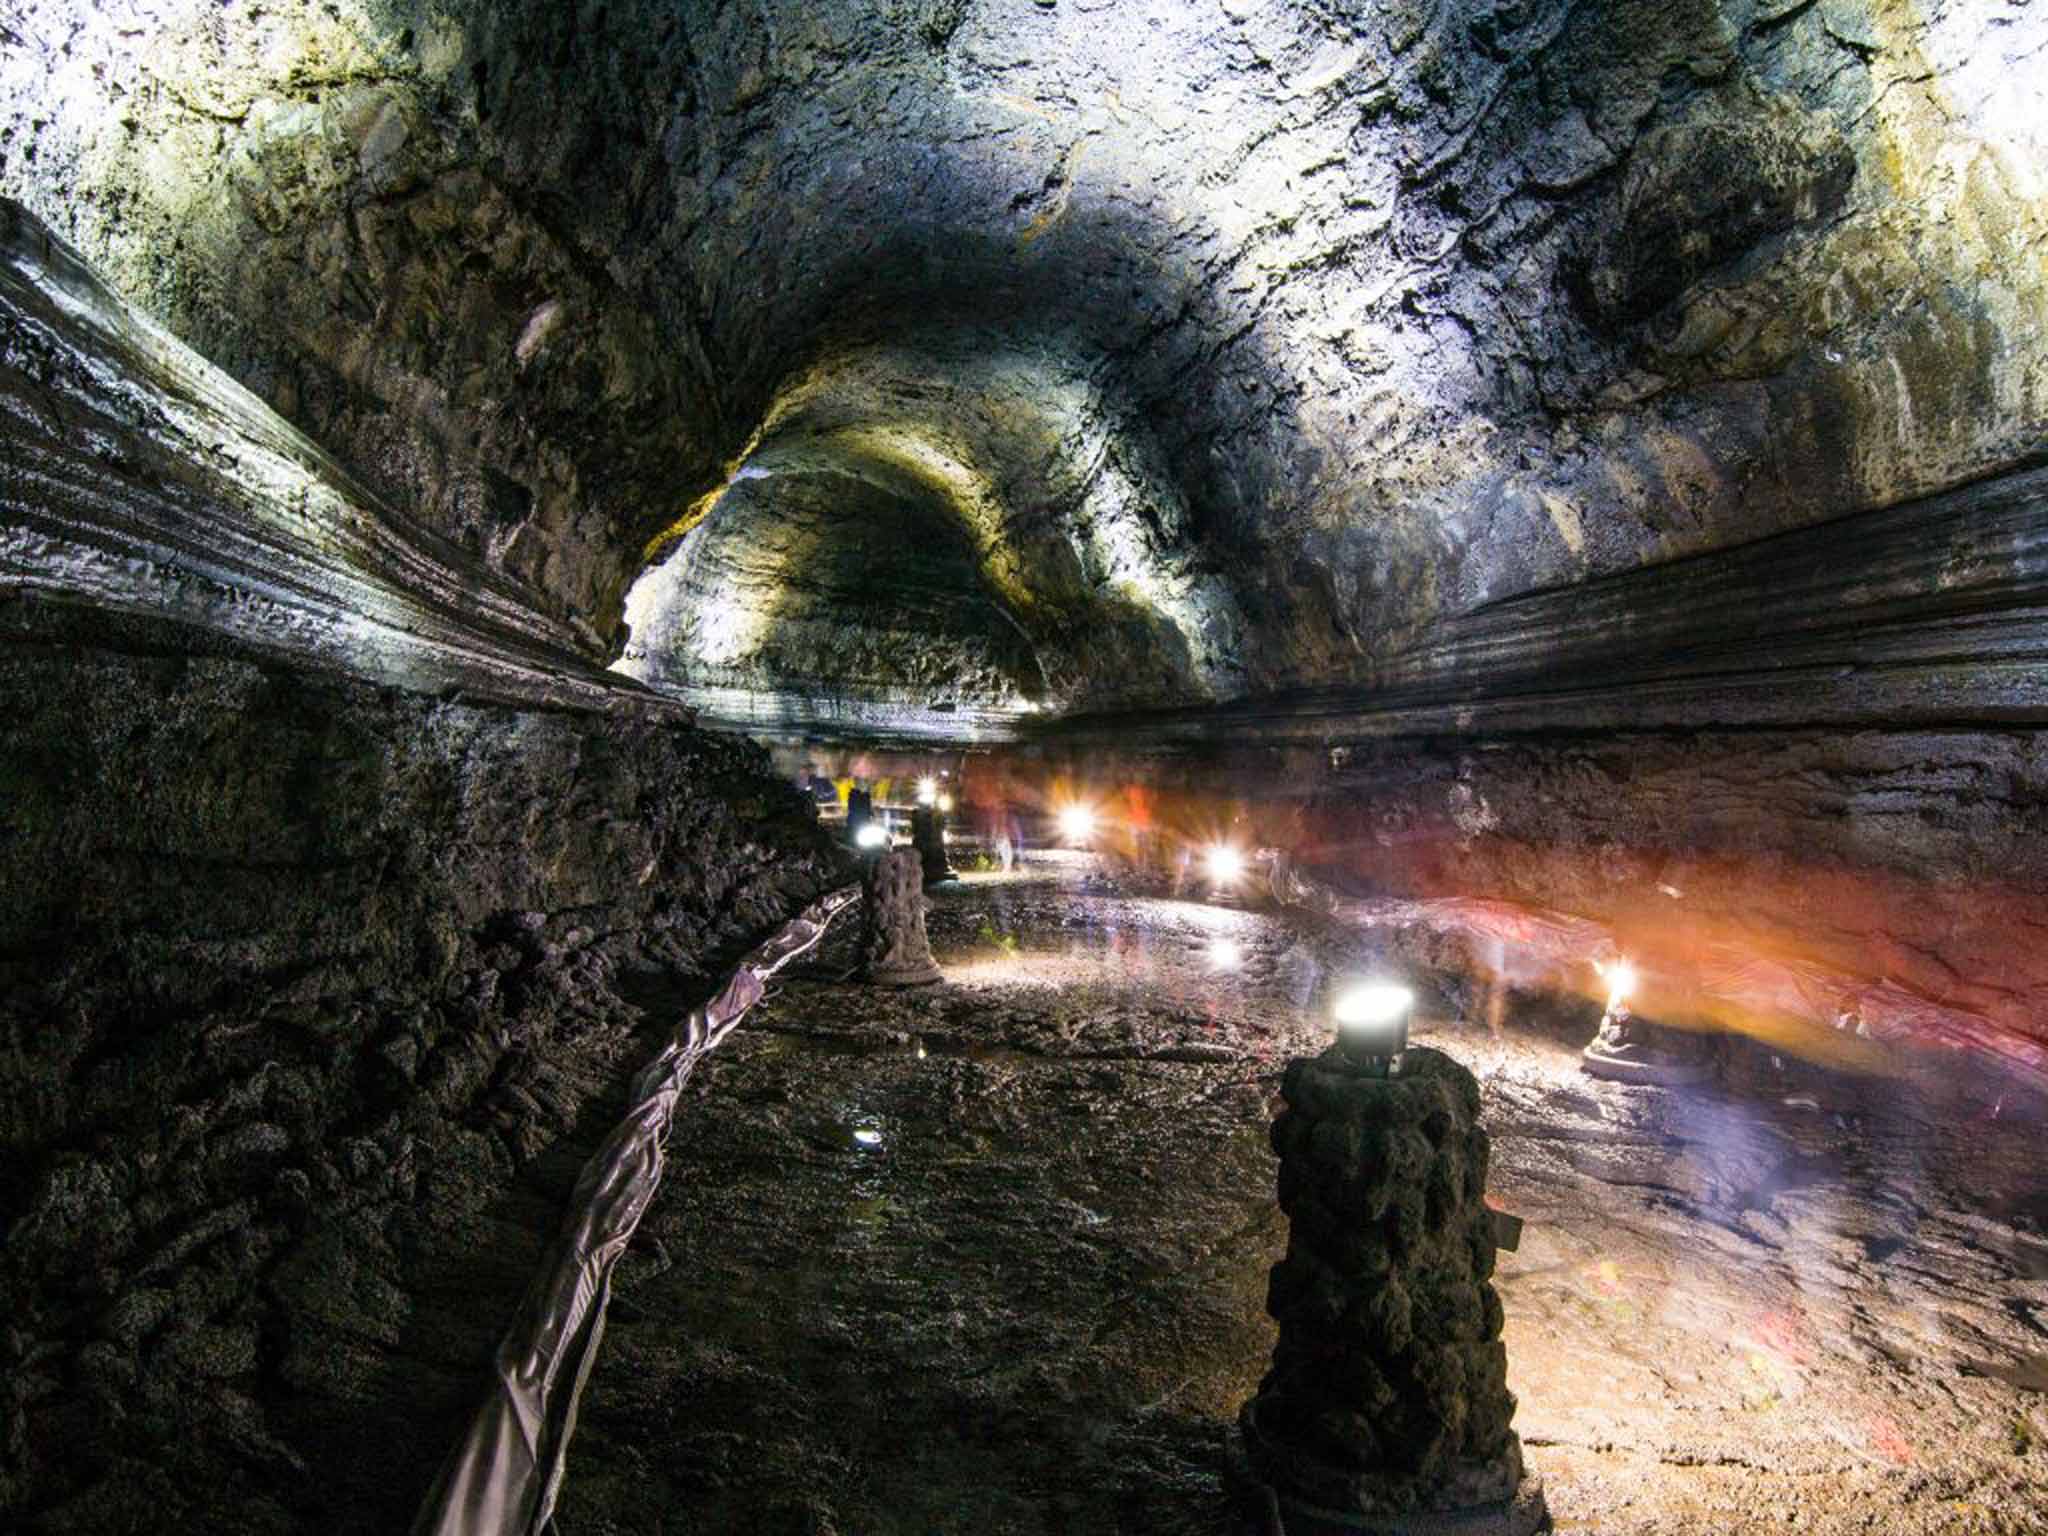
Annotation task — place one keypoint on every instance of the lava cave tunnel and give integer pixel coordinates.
(553, 553)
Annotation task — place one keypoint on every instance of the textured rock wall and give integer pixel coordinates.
(1919, 859)
(1927, 613)
(137, 479)
(1267, 334)
(1814, 888)
(297, 978)
(846, 594)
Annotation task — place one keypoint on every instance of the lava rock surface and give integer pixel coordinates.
(298, 979)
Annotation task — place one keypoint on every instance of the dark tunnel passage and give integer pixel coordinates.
(1212, 514)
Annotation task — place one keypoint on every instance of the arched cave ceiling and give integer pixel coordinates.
(1001, 356)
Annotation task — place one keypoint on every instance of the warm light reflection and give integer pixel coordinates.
(1077, 824)
(1225, 954)
(1736, 953)
(1226, 864)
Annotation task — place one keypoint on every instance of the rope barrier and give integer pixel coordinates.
(503, 1476)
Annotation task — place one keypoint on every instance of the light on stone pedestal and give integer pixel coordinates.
(860, 812)
(928, 837)
(1627, 1050)
(1372, 1024)
(1386, 1409)
(894, 951)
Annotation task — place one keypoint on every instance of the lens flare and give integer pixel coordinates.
(1226, 864)
(927, 791)
(1077, 823)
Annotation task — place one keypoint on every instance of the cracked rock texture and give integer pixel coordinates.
(296, 978)
(1818, 888)
(1915, 860)
(1256, 338)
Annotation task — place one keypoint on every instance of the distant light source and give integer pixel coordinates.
(1225, 954)
(1077, 824)
(945, 804)
(871, 835)
(1226, 864)
(927, 791)
(1621, 984)
(868, 1136)
(1372, 1022)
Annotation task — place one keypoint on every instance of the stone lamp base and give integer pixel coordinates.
(1387, 1409)
(1627, 1051)
(894, 949)
(928, 837)
(1262, 1468)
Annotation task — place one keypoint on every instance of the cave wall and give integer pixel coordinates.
(1304, 328)
(1869, 899)
(298, 979)
(138, 482)
(333, 874)
(862, 598)
(1890, 884)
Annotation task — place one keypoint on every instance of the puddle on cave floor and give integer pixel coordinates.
(991, 1257)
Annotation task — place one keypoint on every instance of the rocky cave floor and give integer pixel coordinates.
(991, 1256)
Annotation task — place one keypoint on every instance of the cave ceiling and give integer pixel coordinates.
(999, 358)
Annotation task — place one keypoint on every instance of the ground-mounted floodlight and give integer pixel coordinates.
(1372, 1024)
(1225, 864)
(1077, 824)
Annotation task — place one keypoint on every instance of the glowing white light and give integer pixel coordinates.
(1226, 864)
(1621, 983)
(1372, 1017)
(927, 791)
(1225, 954)
(946, 803)
(871, 835)
(1077, 823)
(868, 1136)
